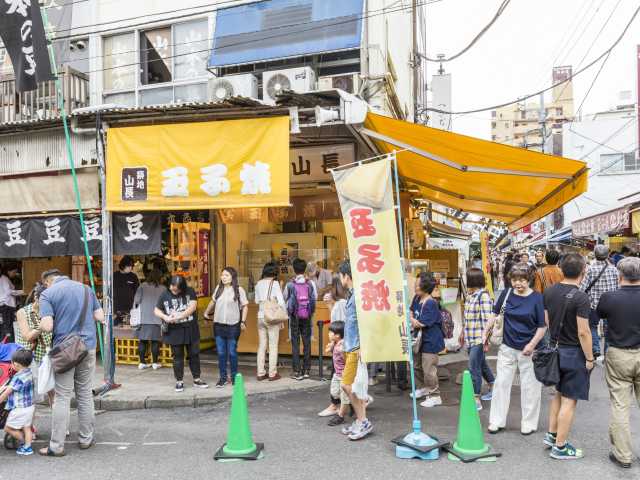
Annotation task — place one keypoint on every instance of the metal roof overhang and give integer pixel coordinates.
(505, 183)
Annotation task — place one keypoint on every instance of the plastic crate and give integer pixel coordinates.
(127, 352)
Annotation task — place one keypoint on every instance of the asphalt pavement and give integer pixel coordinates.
(180, 443)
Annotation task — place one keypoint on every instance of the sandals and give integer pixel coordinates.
(47, 452)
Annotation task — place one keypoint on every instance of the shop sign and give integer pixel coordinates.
(313, 164)
(204, 165)
(134, 234)
(612, 221)
(324, 207)
(366, 199)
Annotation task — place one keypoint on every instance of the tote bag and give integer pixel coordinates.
(274, 313)
(497, 332)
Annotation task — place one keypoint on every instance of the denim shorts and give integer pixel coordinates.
(574, 376)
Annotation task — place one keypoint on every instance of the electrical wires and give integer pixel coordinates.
(501, 9)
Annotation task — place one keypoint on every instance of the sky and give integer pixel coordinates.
(515, 57)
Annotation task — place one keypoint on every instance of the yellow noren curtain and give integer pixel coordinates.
(504, 183)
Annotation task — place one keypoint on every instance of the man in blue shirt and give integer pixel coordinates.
(61, 307)
(351, 346)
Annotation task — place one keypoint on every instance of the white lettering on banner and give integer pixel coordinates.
(52, 229)
(52, 4)
(14, 232)
(176, 183)
(92, 229)
(135, 226)
(20, 7)
(603, 223)
(215, 179)
(255, 178)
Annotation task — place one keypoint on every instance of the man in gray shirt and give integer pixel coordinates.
(61, 305)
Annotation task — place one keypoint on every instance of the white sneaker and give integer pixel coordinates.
(143, 366)
(348, 429)
(432, 402)
(478, 404)
(156, 366)
(420, 392)
(361, 430)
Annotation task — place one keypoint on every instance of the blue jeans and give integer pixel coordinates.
(594, 321)
(227, 350)
(479, 368)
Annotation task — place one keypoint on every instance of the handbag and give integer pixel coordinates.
(274, 313)
(416, 336)
(546, 361)
(497, 332)
(72, 350)
(135, 314)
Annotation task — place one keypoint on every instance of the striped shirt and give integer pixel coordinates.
(22, 390)
(477, 313)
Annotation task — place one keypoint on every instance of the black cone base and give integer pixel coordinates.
(255, 455)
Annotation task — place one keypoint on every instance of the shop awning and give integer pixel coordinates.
(505, 183)
(449, 231)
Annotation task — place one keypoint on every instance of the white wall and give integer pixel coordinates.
(581, 141)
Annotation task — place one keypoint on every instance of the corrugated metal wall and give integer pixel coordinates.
(44, 151)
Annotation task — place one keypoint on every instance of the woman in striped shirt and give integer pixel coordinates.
(477, 314)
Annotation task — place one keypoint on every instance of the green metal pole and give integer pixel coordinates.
(76, 189)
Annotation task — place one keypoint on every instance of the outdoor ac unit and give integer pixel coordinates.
(233, 86)
(300, 80)
(349, 83)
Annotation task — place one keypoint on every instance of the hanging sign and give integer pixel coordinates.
(366, 199)
(23, 36)
(486, 261)
(204, 165)
(609, 222)
(314, 164)
(133, 234)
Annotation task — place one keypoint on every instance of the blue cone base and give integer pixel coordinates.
(419, 440)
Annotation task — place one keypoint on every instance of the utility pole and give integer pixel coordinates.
(543, 122)
(416, 58)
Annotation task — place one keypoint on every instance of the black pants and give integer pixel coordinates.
(8, 316)
(193, 356)
(300, 328)
(142, 350)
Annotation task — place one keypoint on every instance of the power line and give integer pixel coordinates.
(501, 9)
(569, 78)
(316, 27)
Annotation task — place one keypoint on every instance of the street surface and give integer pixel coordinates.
(180, 443)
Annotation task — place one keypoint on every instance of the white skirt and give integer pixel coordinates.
(20, 417)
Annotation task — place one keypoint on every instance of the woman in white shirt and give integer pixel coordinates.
(229, 307)
(336, 300)
(268, 288)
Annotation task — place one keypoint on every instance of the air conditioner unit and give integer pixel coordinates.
(222, 88)
(300, 80)
(349, 82)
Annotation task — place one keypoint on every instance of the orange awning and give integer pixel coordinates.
(504, 183)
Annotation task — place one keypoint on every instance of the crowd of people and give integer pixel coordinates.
(559, 302)
(554, 301)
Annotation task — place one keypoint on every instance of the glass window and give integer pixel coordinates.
(611, 163)
(156, 96)
(631, 162)
(121, 99)
(191, 93)
(192, 49)
(155, 56)
(119, 62)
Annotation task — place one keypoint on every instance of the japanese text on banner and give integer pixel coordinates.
(366, 199)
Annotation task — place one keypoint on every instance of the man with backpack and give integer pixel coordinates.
(300, 295)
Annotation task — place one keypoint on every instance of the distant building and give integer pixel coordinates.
(608, 142)
(519, 124)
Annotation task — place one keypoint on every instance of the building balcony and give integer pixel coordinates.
(42, 104)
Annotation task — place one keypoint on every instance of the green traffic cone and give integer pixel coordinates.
(240, 445)
(470, 442)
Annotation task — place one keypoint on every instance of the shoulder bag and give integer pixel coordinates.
(135, 315)
(497, 332)
(274, 313)
(72, 350)
(416, 337)
(546, 361)
(595, 280)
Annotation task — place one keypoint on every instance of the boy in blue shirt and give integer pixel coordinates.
(19, 396)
